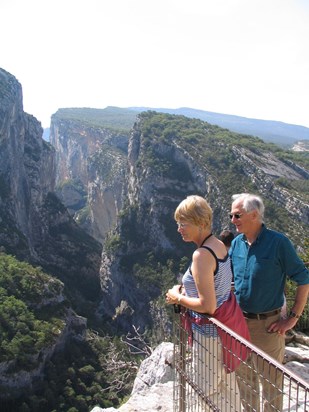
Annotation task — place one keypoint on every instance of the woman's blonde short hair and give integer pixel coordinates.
(196, 210)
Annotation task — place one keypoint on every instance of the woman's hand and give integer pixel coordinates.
(172, 295)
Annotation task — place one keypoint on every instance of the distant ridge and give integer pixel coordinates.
(283, 134)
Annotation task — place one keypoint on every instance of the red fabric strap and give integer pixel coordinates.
(230, 314)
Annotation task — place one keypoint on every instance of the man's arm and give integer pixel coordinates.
(301, 298)
(283, 325)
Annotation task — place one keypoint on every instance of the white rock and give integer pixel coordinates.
(158, 397)
(298, 353)
(153, 385)
(300, 369)
(157, 368)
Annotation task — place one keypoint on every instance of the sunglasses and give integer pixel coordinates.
(236, 215)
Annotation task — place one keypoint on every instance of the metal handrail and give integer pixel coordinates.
(188, 395)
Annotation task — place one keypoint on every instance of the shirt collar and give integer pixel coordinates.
(259, 236)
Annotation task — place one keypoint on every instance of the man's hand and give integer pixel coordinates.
(282, 326)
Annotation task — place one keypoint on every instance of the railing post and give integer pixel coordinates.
(182, 371)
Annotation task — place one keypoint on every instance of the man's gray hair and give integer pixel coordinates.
(251, 202)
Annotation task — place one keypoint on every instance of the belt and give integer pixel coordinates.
(260, 316)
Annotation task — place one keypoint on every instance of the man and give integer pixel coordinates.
(262, 259)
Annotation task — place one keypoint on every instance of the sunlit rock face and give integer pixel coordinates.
(90, 172)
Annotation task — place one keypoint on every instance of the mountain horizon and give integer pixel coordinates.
(272, 131)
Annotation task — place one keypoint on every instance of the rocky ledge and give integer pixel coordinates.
(153, 386)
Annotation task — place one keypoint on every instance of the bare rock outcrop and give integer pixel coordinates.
(153, 386)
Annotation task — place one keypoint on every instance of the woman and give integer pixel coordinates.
(207, 290)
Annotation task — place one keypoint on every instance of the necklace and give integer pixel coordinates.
(207, 237)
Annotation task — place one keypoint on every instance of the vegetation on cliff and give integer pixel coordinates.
(95, 370)
(213, 149)
(27, 323)
(112, 118)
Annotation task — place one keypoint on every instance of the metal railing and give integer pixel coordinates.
(203, 382)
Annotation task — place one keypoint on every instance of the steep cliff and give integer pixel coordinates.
(26, 168)
(90, 170)
(34, 225)
(38, 313)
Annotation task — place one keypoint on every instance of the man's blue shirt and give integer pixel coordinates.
(260, 270)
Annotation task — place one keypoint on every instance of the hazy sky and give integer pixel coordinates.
(243, 57)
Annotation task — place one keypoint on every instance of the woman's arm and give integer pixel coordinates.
(203, 267)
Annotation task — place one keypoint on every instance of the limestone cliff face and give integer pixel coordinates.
(146, 226)
(34, 225)
(26, 170)
(90, 164)
(264, 169)
(37, 228)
